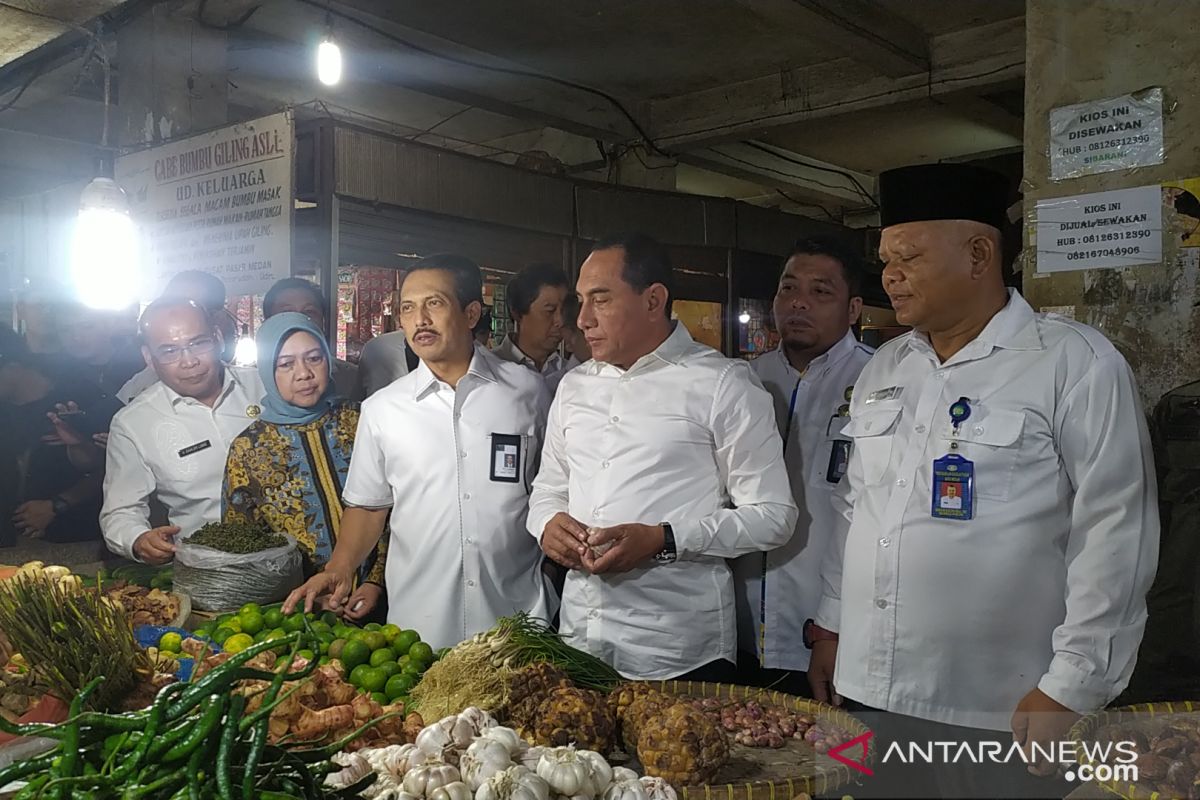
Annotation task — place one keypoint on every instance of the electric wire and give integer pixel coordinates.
(861, 189)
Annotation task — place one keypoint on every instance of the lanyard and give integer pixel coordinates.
(762, 599)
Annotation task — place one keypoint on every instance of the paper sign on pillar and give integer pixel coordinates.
(220, 202)
(1106, 135)
(1103, 230)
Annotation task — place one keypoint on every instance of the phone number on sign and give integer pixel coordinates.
(1105, 252)
(1128, 140)
(1115, 236)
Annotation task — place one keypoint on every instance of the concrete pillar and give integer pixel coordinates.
(1093, 49)
(173, 78)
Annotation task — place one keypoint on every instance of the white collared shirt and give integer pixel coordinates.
(175, 447)
(553, 368)
(811, 411)
(685, 436)
(458, 558)
(956, 621)
(136, 385)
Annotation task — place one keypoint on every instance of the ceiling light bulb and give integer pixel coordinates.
(744, 318)
(245, 354)
(104, 247)
(329, 62)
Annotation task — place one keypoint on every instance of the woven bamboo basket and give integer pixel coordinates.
(755, 773)
(1147, 718)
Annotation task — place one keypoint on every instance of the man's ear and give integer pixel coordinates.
(982, 250)
(656, 299)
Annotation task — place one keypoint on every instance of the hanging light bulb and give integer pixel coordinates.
(245, 354)
(104, 251)
(329, 58)
(744, 318)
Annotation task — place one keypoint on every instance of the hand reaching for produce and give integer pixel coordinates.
(1040, 718)
(621, 547)
(363, 601)
(565, 540)
(335, 584)
(157, 545)
(820, 671)
(33, 517)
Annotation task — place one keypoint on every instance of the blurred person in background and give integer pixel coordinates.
(39, 310)
(535, 302)
(98, 348)
(305, 297)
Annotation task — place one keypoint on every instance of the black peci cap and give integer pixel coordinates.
(943, 191)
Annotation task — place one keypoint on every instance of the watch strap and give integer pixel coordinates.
(668, 554)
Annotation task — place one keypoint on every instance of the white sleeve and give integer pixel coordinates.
(366, 483)
(128, 484)
(749, 455)
(550, 494)
(1112, 549)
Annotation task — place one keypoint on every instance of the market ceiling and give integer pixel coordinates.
(756, 99)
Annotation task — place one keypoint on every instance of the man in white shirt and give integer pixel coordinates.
(810, 376)
(173, 438)
(661, 461)
(535, 300)
(305, 297)
(1012, 615)
(447, 452)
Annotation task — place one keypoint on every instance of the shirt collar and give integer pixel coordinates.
(482, 367)
(175, 399)
(1013, 327)
(508, 350)
(672, 351)
(841, 349)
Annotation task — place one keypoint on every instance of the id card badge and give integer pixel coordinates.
(839, 460)
(953, 488)
(506, 458)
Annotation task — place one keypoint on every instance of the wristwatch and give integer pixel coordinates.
(814, 633)
(668, 554)
(59, 506)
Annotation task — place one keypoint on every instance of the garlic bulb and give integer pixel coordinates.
(452, 791)
(623, 774)
(447, 736)
(573, 772)
(483, 759)
(354, 769)
(422, 780)
(397, 759)
(390, 793)
(530, 757)
(507, 737)
(478, 719)
(658, 789)
(515, 783)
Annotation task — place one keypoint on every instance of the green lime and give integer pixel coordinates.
(372, 626)
(255, 607)
(440, 654)
(273, 618)
(355, 653)
(374, 640)
(389, 668)
(306, 654)
(311, 616)
(237, 643)
(390, 632)
(335, 648)
(342, 631)
(329, 618)
(323, 647)
(404, 641)
(262, 635)
(356, 634)
(421, 651)
(206, 629)
(223, 619)
(402, 660)
(373, 679)
(294, 623)
(379, 697)
(357, 674)
(252, 621)
(382, 655)
(398, 686)
(321, 629)
(172, 641)
(414, 668)
(222, 634)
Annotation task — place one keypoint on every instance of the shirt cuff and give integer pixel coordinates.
(1073, 687)
(690, 541)
(829, 614)
(360, 501)
(121, 542)
(536, 525)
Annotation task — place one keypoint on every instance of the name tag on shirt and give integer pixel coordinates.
(890, 393)
(506, 458)
(953, 488)
(192, 449)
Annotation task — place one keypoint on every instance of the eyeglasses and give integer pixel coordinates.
(170, 354)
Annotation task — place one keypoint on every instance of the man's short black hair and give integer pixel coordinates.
(193, 284)
(839, 251)
(524, 287)
(646, 263)
(163, 304)
(571, 312)
(468, 278)
(287, 284)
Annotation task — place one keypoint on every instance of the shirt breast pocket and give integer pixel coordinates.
(873, 432)
(993, 443)
(510, 459)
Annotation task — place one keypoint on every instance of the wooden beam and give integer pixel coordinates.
(970, 60)
(864, 30)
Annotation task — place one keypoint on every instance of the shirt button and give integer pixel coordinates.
(604, 464)
(595, 511)
(941, 373)
(867, 425)
(884, 542)
(978, 429)
(470, 583)
(593, 615)
(616, 419)
(469, 541)
(467, 496)
(919, 429)
(881, 603)
(463, 454)
(901, 482)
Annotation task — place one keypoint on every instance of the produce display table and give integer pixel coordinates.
(1167, 739)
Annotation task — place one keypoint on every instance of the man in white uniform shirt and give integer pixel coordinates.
(810, 376)
(1011, 615)
(448, 453)
(172, 439)
(535, 300)
(661, 461)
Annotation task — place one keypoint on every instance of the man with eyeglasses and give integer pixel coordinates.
(173, 438)
(207, 291)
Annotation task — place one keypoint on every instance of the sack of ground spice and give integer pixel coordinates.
(223, 566)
